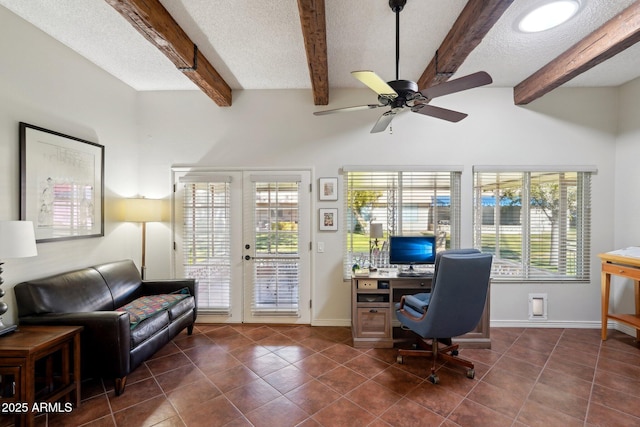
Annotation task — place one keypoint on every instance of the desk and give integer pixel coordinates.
(373, 300)
(19, 353)
(618, 264)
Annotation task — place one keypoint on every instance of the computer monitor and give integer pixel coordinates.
(410, 250)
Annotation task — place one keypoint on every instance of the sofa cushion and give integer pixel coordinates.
(145, 307)
(123, 280)
(148, 328)
(76, 291)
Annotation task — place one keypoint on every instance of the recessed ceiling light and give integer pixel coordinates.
(548, 15)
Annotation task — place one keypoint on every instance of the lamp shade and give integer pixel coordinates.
(17, 239)
(142, 210)
(375, 231)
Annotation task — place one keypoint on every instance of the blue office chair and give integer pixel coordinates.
(453, 307)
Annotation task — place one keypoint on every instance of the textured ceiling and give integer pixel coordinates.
(258, 44)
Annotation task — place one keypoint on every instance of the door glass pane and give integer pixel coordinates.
(276, 266)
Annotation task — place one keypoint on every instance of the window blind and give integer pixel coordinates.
(536, 223)
(207, 242)
(276, 260)
(406, 202)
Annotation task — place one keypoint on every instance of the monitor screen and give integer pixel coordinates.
(412, 250)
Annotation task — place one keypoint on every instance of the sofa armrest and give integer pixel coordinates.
(166, 286)
(106, 338)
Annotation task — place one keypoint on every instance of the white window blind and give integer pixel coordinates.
(405, 202)
(207, 242)
(536, 223)
(276, 272)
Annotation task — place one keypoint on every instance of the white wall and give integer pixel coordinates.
(277, 128)
(627, 196)
(44, 83)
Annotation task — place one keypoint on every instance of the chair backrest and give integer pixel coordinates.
(458, 297)
(450, 251)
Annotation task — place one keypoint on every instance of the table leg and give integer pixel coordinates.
(636, 284)
(606, 285)
(76, 367)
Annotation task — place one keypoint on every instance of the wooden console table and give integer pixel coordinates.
(620, 263)
(373, 300)
(19, 352)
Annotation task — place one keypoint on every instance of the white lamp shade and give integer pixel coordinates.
(17, 239)
(142, 210)
(375, 231)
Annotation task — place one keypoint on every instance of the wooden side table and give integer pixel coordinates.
(619, 263)
(19, 353)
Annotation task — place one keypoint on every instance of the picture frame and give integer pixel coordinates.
(328, 189)
(61, 184)
(328, 219)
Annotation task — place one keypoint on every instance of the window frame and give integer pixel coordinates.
(451, 192)
(503, 268)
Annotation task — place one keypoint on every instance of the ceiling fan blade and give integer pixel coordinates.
(375, 83)
(439, 112)
(383, 122)
(480, 78)
(345, 109)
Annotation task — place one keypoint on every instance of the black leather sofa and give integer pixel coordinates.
(106, 300)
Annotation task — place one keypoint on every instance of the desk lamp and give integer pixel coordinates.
(143, 210)
(17, 240)
(375, 233)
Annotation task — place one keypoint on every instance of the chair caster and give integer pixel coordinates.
(454, 352)
(400, 360)
(434, 378)
(471, 373)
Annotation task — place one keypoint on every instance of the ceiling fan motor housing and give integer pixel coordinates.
(406, 90)
(397, 5)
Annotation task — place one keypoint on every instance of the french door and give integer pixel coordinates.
(245, 235)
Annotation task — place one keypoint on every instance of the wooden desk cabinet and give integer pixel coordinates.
(21, 351)
(373, 315)
(624, 266)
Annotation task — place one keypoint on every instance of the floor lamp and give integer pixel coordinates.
(17, 240)
(143, 210)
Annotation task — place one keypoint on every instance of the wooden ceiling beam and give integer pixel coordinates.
(314, 31)
(474, 22)
(153, 21)
(617, 34)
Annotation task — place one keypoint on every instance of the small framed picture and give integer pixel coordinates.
(328, 219)
(328, 189)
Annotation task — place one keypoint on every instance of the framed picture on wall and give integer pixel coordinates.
(328, 219)
(61, 184)
(328, 189)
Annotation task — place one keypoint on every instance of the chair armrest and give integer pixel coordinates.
(421, 307)
(106, 338)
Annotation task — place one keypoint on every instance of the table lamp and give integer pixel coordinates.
(17, 240)
(375, 233)
(143, 210)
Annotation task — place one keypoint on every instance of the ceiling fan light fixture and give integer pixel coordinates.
(548, 15)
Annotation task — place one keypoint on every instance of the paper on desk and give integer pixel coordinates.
(631, 251)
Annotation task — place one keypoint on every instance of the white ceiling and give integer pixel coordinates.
(258, 44)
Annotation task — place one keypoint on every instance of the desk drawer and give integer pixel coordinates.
(373, 322)
(412, 283)
(367, 284)
(621, 270)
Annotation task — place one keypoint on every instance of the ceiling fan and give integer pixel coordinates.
(399, 94)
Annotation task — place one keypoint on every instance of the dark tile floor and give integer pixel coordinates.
(226, 375)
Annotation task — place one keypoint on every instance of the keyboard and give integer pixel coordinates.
(415, 274)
